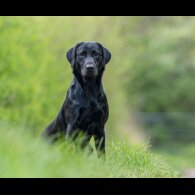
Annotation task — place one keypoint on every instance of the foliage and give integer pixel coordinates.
(161, 78)
(162, 74)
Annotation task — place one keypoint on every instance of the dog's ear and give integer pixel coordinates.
(106, 54)
(71, 54)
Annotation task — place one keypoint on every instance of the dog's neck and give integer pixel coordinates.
(90, 87)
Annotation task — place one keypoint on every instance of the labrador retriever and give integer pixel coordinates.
(85, 108)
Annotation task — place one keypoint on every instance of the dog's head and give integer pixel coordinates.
(88, 59)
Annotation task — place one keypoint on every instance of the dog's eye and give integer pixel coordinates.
(82, 55)
(96, 55)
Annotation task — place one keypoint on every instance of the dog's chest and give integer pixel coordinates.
(92, 112)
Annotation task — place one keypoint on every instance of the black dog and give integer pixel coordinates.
(85, 108)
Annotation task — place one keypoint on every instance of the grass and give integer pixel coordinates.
(23, 155)
(181, 157)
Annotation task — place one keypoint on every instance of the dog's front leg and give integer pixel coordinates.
(71, 131)
(100, 142)
(85, 143)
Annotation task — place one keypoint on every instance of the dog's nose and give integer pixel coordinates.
(90, 66)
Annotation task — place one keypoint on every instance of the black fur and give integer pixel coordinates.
(85, 107)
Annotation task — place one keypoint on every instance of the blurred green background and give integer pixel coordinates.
(150, 80)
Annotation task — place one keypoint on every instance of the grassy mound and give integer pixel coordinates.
(23, 155)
